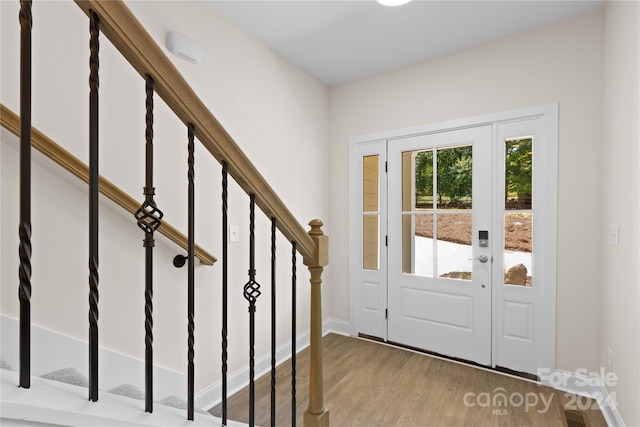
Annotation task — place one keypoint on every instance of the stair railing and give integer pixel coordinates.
(119, 25)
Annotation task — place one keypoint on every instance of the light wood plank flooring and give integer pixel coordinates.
(372, 384)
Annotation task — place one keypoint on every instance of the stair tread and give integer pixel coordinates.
(64, 404)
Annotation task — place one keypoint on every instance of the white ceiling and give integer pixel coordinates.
(340, 41)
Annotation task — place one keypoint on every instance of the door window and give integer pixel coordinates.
(437, 212)
(518, 213)
(370, 212)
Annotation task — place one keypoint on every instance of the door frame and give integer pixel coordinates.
(547, 114)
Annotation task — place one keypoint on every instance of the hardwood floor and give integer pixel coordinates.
(373, 384)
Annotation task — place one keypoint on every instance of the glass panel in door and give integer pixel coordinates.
(370, 212)
(436, 212)
(518, 214)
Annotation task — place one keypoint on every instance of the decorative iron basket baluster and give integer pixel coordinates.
(149, 216)
(24, 229)
(251, 294)
(149, 219)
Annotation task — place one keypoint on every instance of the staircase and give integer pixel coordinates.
(34, 393)
(52, 403)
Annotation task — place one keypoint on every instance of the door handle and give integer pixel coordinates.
(481, 258)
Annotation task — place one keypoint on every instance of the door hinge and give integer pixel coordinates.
(386, 240)
(386, 166)
(386, 313)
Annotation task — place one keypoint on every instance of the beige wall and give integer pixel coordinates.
(621, 188)
(562, 63)
(278, 115)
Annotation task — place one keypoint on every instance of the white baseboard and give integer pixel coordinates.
(236, 381)
(51, 351)
(583, 385)
(337, 326)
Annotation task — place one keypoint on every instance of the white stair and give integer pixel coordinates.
(52, 403)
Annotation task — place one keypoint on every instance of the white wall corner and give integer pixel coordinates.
(336, 326)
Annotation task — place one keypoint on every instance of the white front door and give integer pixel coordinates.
(439, 278)
(453, 250)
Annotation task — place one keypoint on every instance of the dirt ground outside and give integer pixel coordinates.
(456, 228)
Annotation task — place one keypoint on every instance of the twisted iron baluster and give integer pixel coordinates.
(251, 294)
(224, 291)
(273, 322)
(24, 228)
(191, 277)
(149, 219)
(293, 333)
(94, 27)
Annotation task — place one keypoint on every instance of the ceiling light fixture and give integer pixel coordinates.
(393, 2)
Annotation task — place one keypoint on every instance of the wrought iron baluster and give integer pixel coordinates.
(94, 27)
(251, 294)
(191, 276)
(24, 229)
(273, 322)
(149, 219)
(224, 291)
(293, 333)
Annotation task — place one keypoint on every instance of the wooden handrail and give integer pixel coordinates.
(130, 37)
(68, 161)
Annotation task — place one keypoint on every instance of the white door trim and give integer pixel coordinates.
(549, 111)
(548, 115)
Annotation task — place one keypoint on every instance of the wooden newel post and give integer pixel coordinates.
(316, 414)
